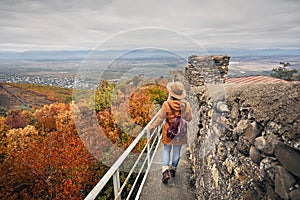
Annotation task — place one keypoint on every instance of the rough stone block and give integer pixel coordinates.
(266, 144)
(283, 182)
(250, 195)
(255, 155)
(222, 107)
(288, 157)
(251, 132)
(243, 146)
(295, 194)
(271, 195)
(260, 143)
(241, 126)
(267, 169)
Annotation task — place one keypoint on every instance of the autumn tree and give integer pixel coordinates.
(28, 115)
(42, 156)
(3, 138)
(103, 95)
(14, 119)
(55, 165)
(139, 107)
(109, 125)
(46, 117)
(158, 93)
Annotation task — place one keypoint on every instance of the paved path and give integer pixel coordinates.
(177, 188)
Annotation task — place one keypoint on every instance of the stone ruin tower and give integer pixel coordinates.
(211, 69)
(208, 74)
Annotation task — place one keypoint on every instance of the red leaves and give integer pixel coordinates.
(139, 107)
(46, 164)
(14, 119)
(42, 157)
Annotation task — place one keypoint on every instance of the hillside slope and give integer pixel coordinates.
(15, 95)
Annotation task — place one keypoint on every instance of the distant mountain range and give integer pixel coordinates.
(76, 55)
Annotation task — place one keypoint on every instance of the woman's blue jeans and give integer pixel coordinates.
(175, 156)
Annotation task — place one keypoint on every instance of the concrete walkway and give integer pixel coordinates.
(177, 188)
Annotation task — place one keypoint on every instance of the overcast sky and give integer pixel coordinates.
(77, 24)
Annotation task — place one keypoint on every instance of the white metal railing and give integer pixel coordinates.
(153, 140)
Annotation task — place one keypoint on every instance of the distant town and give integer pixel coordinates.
(52, 81)
(71, 73)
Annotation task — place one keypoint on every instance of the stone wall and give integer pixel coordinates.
(207, 69)
(244, 140)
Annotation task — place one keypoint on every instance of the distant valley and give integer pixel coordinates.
(75, 68)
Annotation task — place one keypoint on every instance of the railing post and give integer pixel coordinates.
(148, 148)
(114, 171)
(116, 181)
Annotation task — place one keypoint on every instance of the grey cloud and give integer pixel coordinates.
(83, 24)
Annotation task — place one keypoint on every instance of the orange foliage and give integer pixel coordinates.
(112, 129)
(22, 138)
(42, 157)
(29, 117)
(14, 119)
(46, 117)
(139, 107)
(3, 140)
(55, 165)
(108, 125)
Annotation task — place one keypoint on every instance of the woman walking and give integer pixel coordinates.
(175, 106)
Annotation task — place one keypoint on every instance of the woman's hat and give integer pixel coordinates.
(176, 89)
